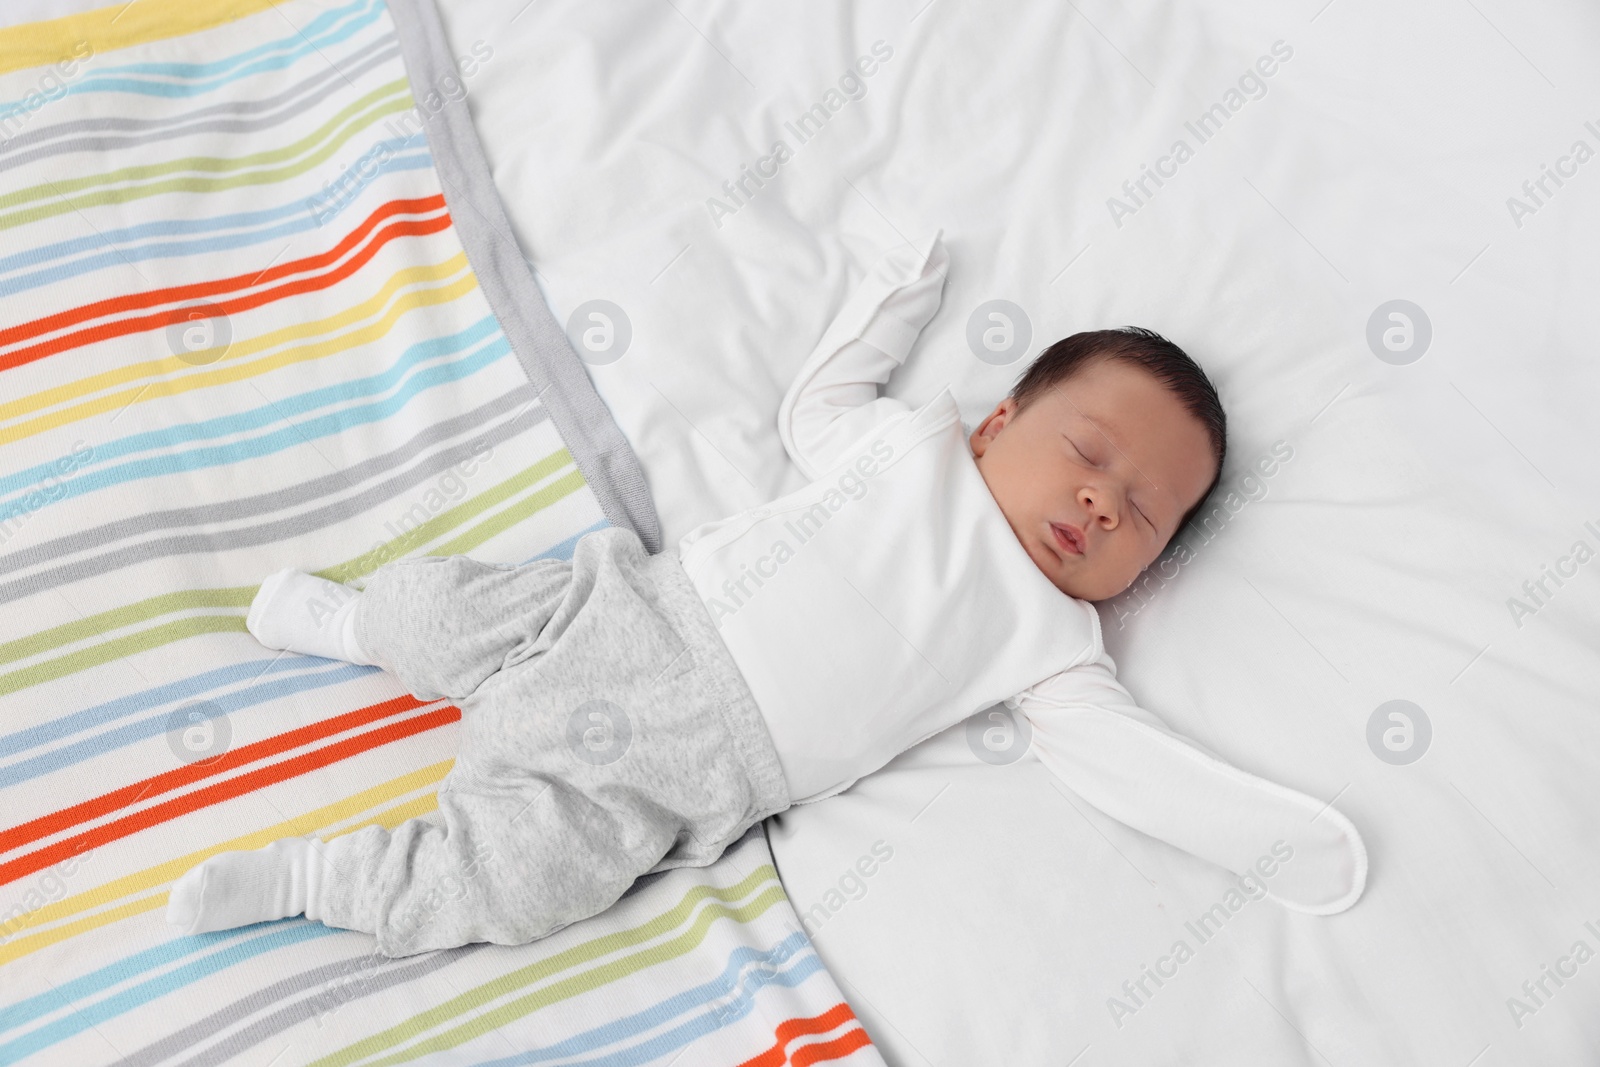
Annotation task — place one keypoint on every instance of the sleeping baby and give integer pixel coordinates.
(624, 713)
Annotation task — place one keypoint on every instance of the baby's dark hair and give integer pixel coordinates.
(1169, 364)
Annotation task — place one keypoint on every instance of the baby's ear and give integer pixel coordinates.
(992, 424)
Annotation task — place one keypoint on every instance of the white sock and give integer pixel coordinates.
(240, 888)
(306, 614)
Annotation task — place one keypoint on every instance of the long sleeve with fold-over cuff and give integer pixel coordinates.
(833, 401)
(1090, 732)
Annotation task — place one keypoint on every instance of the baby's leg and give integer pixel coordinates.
(607, 733)
(444, 624)
(306, 614)
(440, 624)
(498, 862)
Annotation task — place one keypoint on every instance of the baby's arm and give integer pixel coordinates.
(834, 399)
(1090, 733)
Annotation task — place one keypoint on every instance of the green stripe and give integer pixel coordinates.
(150, 170)
(116, 618)
(239, 597)
(590, 980)
(580, 983)
(63, 204)
(448, 520)
(522, 509)
(143, 641)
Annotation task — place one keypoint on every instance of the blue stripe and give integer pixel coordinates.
(173, 693)
(105, 81)
(36, 1007)
(175, 249)
(290, 436)
(85, 1017)
(213, 707)
(267, 414)
(795, 948)
(33, 257)
(101, 239)
(565, 549)
(317, 25)
(202, 686)
(805, 963)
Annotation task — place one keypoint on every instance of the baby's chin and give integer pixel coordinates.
(1101, 586)
(1080, 582)
(1090, 590)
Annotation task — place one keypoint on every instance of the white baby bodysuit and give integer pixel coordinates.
(889, 599)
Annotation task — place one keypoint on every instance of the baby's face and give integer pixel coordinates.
(1095, 474)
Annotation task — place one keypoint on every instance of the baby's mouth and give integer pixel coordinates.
(1068, 538)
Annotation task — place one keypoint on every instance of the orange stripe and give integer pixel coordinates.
(790, 1029)
(128, 825)
(155, 297)
(57, 821)
(837, 1049)
(121, 327)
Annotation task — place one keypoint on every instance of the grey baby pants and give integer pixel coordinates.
(606, 733)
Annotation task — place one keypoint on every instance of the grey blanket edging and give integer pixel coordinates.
(603, 455)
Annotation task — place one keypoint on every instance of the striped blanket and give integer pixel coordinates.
(260, 307)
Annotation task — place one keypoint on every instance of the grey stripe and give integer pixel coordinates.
(266, 503)
(145, 131)
(603, 453)
(336, 998)
(293, 1014)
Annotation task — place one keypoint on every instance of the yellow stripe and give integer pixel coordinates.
(160, 368)
(302, 354)
(160, 875)
(393, 817)
(23, 946)
(121, 26)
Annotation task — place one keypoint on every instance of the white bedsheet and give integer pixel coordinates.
(1374, 564)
